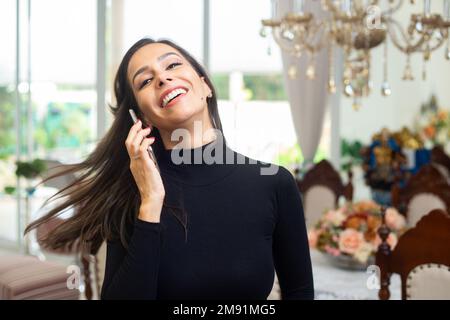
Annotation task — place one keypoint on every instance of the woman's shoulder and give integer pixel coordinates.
(276, 174)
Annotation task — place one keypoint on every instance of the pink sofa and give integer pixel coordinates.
(26, 277)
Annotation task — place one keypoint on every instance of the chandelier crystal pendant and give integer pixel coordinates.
(356, 27)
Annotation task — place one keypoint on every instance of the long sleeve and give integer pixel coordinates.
(133, 273)
(292, 259)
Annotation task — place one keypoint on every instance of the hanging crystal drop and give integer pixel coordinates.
(427, 53)
(348, 90)
(356, 105)
(331, 86)
(298, 52)
(424, 71)
(311, 70)
(292, 72)
(288, 35)
(407, 74)
(447, 48)
(386, 89)
(419, 26)
(263, 32)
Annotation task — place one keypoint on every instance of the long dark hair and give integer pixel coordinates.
(104, 195)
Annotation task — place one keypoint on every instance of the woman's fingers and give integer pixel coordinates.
(143, 149)
(132, 134)
(138, 140)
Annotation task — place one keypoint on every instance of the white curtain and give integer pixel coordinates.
(308, 98)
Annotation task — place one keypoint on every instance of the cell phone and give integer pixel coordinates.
(150, 150)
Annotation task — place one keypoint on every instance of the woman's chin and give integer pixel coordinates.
(178, 117)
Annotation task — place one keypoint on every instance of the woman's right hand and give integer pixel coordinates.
(145, 173)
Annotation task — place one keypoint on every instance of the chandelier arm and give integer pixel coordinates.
(279, 41)
(440, 42)
(330, 6)
(435, 47)
(359, 10)
(393, 9)
(320, 44)
(410, 47)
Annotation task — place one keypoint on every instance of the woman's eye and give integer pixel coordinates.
(146, 81)
(173, 65)
(170, 66)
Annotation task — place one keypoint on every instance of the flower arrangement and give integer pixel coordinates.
(351, 230)
(433, 124)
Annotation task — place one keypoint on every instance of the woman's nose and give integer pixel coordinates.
(163, 80)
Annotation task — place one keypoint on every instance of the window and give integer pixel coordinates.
(8, 203)
(63, 77)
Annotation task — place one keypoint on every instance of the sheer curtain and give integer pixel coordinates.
(308, 99)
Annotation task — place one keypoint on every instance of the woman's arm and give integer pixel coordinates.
(290, 242)
(133, 273)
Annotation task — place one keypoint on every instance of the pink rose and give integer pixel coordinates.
(350, 241)
(394, 220)
(333, 251)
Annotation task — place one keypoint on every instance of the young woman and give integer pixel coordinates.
(190, 229)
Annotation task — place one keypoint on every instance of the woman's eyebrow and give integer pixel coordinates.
(145, 68)
(165, 55)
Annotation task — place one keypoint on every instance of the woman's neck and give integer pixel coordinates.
(192, 137)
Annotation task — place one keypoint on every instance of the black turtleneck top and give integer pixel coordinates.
(241, 226)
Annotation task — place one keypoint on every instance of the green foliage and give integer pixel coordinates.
(293, 156)
(221, 84)
(269, 87)
(30, 169)
(7, 133)
(351, 154)
(65, 125)
(9, 190)
(265, 86)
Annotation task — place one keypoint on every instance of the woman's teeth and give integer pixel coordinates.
(172, 95)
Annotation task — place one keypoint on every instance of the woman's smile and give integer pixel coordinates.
(175, 100)
(171, 95)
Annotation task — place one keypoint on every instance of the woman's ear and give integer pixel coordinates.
(206, 89)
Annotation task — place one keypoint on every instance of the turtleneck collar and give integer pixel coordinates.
(203, 165)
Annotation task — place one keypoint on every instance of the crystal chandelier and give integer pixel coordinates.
(357, 26)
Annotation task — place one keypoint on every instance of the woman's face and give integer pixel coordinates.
(167, 89)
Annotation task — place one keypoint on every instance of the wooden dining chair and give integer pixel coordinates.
(441, 161)
(321, 187)
(421, 258)
(426, 190)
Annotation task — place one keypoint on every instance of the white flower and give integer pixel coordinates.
(335, 217)
(441, 136)
(363, 253)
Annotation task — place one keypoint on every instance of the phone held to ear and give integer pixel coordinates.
(150, 150)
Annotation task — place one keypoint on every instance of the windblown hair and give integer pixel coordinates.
(104, 195)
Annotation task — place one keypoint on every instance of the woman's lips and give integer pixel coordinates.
(168, 92)
(175, 100)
